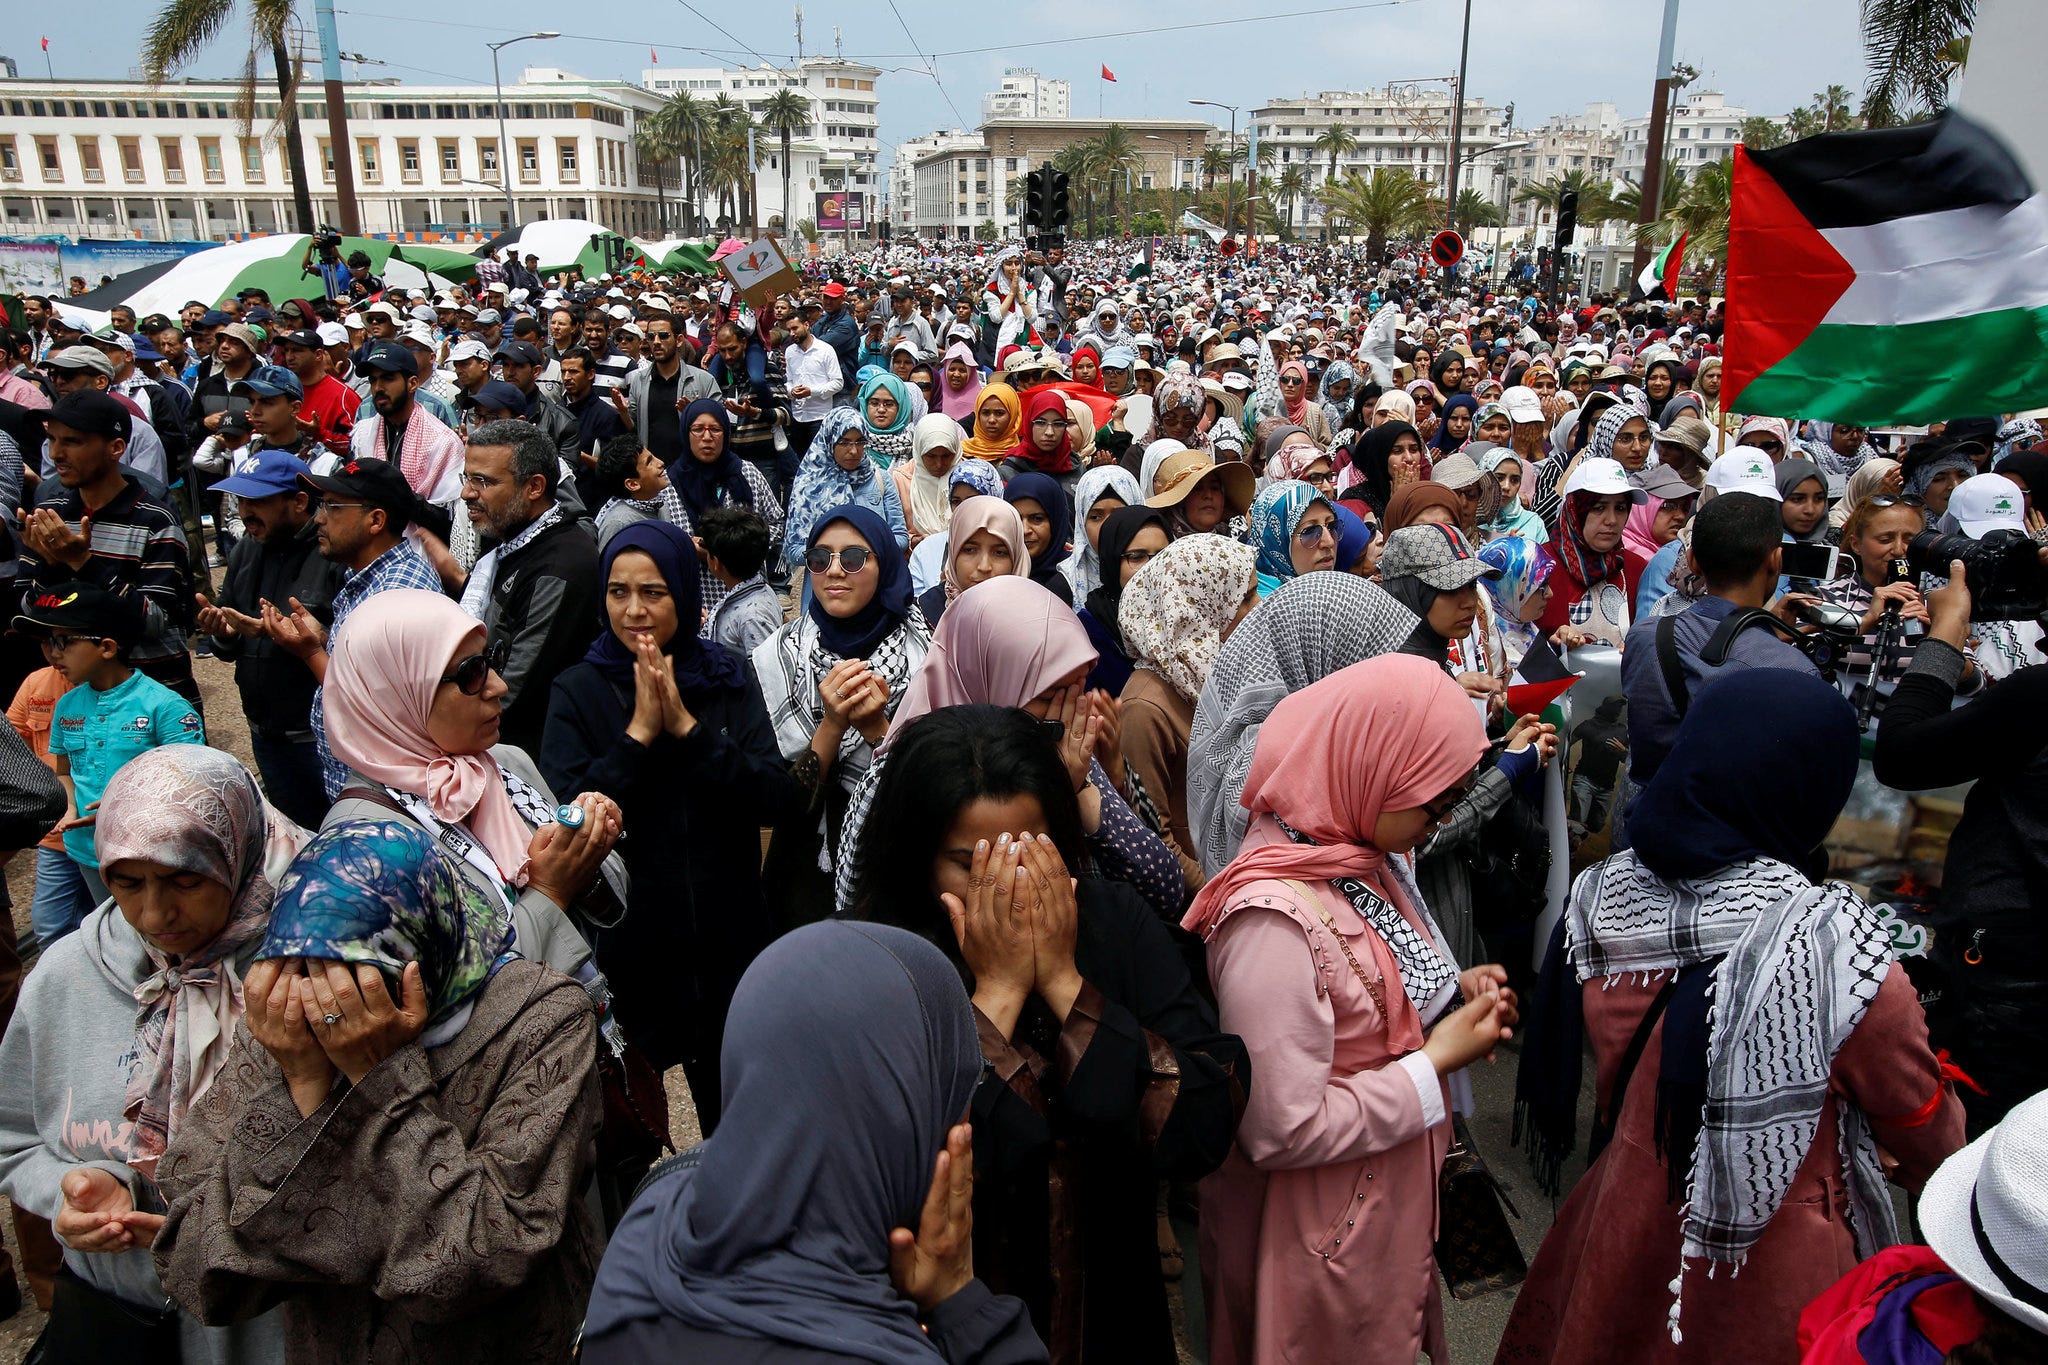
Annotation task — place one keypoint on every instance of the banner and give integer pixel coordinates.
(45, 265)
(842, 212)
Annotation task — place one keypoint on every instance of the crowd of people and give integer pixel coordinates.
(1035, 738)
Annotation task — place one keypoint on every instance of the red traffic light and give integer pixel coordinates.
(1447, 248)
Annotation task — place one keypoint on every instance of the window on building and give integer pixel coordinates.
(252, 160)
(327, 159)
(10, 163)
(46, 152)
(566, 150)
(451, 159)
(1684, 133)
(529, 160)
(409, 162)
(487, 157)
(89, 158)
(209, 159)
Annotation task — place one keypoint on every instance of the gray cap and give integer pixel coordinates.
(1456, 470)
(80, 358)
(1436, 554)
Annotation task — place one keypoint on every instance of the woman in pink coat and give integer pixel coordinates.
(1783, 1068)
(1317, 1233)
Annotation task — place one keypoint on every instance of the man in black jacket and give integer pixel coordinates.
(277, 561)
(520, 364)
(537, 591)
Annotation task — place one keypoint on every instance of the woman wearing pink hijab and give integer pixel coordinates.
(413, 704)
(959, 382)
(1317, 1231)
(1009, 642)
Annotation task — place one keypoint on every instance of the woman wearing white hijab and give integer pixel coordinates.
(1111, 486)
(923, 481)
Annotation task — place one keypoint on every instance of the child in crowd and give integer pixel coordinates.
(735, 541)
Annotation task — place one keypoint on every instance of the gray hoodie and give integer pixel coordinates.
(64, 1068)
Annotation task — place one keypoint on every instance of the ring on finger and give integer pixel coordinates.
(330, 1019)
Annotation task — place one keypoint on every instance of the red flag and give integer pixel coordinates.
(46, 44)
(653, 56)
(1107, 74)
(1529, 699)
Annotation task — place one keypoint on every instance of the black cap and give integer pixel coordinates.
(392, 358)
(80, 609)
(93, 412)
(305, 337)
(518, 352)
(376, 482)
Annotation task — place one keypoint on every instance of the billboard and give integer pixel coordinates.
(842, 211)
(40, 265)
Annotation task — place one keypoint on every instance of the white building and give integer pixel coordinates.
(1584, 142)
(837, 154)
(903, 219)
(1026, 94)
(123, 159)
(1408, 126)
(1703, 127)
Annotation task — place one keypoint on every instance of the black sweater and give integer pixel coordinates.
(276, 685)
(694, 809)
(546, 604)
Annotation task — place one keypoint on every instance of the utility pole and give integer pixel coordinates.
(337, 121)
(1458, 122)
(1653, 161)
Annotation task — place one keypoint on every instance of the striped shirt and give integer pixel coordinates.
(401, 566)
(138, 550)
(1852, 592)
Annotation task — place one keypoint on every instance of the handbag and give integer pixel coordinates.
(1476, 1250)
(88, 1326)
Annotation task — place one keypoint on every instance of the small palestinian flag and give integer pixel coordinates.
(1659, 281)
(1898, 275)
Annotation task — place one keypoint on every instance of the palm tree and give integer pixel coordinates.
(184, 28)
(1701, 212)
(1625, 204)
(1762, 134)
(1832, 104)
(1116, 157)
(1592, 192)
(1803, 122)
(1077, 159)
(1391, 201)
(730, 171)
(1215, 162)
(1474, 210)
(652, 145)
(1333, 142)
(1292, 185)
(683, 122)
(786, 113)
(1912, 49)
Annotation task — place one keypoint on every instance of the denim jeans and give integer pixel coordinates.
(292, 777)
(62, 899)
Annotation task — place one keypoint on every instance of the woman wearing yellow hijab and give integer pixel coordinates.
(998, 416)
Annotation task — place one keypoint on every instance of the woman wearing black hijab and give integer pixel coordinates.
(1791, 1050)
(673, 728)
(830, 1220)
(1123, 533)
(1374, 462)
(1041, 501)
(709, 473)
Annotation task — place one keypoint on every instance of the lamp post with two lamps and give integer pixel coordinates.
(498, 89)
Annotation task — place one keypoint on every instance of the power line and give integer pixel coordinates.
(1133, 32)
(930, 70)
(719, 52)
(727, 32)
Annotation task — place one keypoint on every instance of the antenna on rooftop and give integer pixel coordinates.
(799, 34)
(838, 47)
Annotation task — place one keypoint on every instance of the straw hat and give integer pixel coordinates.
(1178, 474)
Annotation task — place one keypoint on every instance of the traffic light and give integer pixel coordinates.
(1567, 216)
(1057, 211)
(1035, 201)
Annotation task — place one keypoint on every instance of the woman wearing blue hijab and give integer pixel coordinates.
(814, 1222)
(1279, 517)
(837, 472)
(832, 679)
(673, 728)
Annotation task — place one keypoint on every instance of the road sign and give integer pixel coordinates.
(1447, 248)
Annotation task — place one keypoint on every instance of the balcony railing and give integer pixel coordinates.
(411, 175)
(253, 176)
(10, 173)
(132, 174)
(528, 175)
(94, 175)
(173, 175)
(371, 175)
(216, 176)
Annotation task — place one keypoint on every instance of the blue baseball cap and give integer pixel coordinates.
(268, 381)
(214, 317)
(273, 472)
(145, 349)
(498, 396)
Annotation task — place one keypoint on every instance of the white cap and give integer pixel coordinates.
(1745, 470)
(1987, 503)
(1235, 381)
(620, 313)
(418, 334)
(469, 348)
(1602, 477)
(1522, 404)
(333, 334)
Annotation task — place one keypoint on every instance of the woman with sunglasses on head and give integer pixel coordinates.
(1103, 1070)
(832, 678)
(1317, 1232)
(837, 472)
(673, 728)
(1877, 533)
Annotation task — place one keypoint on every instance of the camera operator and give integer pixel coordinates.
(333, 272)
(1737, 552)
(1984, 506)
(1884, 593)
(1990, 951)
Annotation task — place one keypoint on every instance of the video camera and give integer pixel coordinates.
(2003, 569)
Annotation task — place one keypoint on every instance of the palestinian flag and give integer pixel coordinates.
(1892, 276)
(1659, 281)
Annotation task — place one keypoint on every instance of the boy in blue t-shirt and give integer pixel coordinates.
(111, 714)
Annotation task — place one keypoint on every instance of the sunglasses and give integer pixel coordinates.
(1291, 382)
(470, 674)
(1895, 500)
(853, 558)
(1309, 535)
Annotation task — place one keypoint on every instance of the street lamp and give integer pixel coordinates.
(1474, 155)
(1172, 183)
(498, 87)
(1230, 180)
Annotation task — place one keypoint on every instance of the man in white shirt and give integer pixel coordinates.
(812, 369)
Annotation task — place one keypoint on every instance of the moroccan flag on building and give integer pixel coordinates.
(1898, 275)
(1107, 74)
(1659, 280)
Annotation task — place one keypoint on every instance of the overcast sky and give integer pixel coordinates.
(1550, 57)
